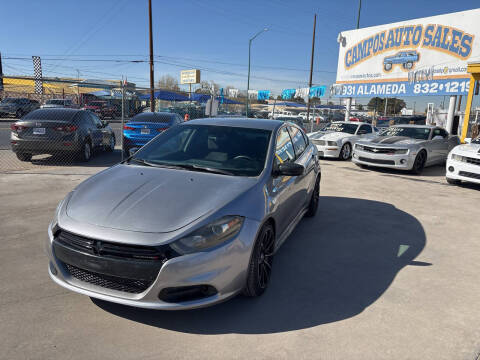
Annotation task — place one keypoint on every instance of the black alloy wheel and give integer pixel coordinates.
(260, 267)
(419, 163)
(313, 206)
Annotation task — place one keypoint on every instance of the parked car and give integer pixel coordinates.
(405, 58)
(191, 219)
(103, 109)
(337, 139)
(145, 126)
(58, 103)
(17, 106)
(406, 147)
(463, 163)
(293, 119)
(72, 132)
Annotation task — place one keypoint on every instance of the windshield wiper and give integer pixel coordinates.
(204, 169)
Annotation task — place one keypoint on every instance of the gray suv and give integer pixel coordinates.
(17, 106)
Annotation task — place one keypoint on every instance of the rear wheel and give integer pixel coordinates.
(313, 206)
(86, 152)
(24, 157)
(260, 267)
(387, 66)
(419, 163)
(453, 181)
(111, 146)
(346, 152)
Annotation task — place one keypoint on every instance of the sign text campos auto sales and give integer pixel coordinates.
(425, 56)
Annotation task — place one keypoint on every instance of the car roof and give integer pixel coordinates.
(351, 122)
(416, 126)
(264, 124)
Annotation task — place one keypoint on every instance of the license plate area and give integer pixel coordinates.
(38, 131)
(145, 131)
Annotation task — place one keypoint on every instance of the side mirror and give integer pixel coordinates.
(132, 151)
(438, 137)
(290, 169)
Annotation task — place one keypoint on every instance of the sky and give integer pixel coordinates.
(100, 39)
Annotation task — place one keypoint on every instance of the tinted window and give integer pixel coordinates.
(411, 132)
(439, 132)
(50, 114)
(342, 127)
(239, 151)
(284, 147)
(298, 141)
(366, 129)
(96, 120)
(153, 117)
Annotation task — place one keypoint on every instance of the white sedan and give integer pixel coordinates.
(463, 163)
(338, 138)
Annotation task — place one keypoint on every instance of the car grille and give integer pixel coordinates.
(319, 142)
(110, 282)
(378, 150)
(377, 161)
(108, 249)
(469, 174)
(471, 160)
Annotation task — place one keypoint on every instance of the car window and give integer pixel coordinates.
(441, 132)
(96, 120)
(299, 144)
(366, 128)
(284, 147)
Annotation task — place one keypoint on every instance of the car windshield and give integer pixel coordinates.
(342, 127)
(55, 102)
(221, 149)
(419, 133)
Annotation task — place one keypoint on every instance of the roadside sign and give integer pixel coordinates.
(190, 76)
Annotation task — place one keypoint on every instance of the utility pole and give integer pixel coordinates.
(359, 9)
(348, 103)
(152, 97)
(248, 79)
(311, 72)
(1, 73)
(386, 103)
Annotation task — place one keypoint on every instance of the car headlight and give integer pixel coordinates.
(358, 147)
(332, 143)
(209, 236)
(401, 151)
(457, 157)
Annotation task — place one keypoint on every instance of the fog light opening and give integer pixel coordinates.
(451, 169)
(403, 161)
(186, 293)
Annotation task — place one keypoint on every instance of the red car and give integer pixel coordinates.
(102, 108)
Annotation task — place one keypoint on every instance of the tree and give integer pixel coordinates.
(394, 105)
(299, 100)
(360, 107)
(168, 82)
(206, 86)
(279, 97)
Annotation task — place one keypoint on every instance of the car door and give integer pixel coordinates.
(305, 157)
(282, 187)
(438, 145)
(96, 130)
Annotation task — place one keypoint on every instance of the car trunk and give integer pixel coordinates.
(146, 128)
(44, 129)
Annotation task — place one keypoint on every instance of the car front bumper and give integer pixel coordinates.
(400, 162)
(223, 268)
(463, 171)
(328, 151)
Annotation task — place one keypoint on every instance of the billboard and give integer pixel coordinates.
(426, 56)
(190, 76)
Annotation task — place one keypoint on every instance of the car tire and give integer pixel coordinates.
(111, 146)
(313, 205)
(419, 163)
(453, 181)
(345, 152)
(24, 157)
(86, 153)
(260, 267)
(387, 67)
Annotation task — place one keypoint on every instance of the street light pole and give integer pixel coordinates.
(249, 51)
(152, 98)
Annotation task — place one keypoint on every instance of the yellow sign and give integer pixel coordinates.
(190, 76)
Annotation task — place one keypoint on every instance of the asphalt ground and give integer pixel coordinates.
(388, 269)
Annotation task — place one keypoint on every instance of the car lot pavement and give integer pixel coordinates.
(388, 269)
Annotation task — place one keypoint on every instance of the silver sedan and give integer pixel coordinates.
(406, 147)
(192, 218)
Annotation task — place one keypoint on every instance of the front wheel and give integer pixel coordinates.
(346, 152)
(387, 67)
(260, 267)
(313, 206)
(419, 163)
(86, 152)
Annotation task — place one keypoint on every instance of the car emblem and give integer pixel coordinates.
(375, 150)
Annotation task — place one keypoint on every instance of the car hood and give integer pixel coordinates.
(397, 140)
(328, 135)
(469, 149)
(147, 199)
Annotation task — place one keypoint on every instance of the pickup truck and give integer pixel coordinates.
(17, 106)
(404, 58)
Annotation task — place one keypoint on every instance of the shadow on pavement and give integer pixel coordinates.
(433, 171)
(331, 268)
(99, 159)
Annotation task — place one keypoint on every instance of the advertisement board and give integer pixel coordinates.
(190, 76)
(426, 56)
